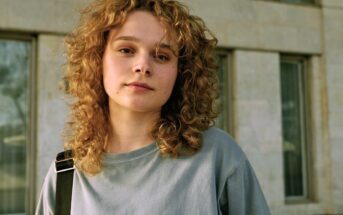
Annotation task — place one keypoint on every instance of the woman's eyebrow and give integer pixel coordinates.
(126, 38)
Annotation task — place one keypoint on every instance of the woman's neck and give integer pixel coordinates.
(130, 130)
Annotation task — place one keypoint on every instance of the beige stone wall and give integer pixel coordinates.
(257, 110)
(53, 16)
(338, 4)
(262, 25)
(52, 110)
(333, 64)
(256, 32)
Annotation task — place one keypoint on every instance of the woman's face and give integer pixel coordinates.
(136, 77)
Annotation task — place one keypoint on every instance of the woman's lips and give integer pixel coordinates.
(139, 85)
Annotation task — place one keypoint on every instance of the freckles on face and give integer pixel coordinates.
(139, 64)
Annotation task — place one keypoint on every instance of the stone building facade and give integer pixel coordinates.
(257, 36)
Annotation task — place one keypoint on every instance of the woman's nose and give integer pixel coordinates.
(143, 65)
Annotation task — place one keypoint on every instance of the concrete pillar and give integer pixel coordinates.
(52, 111)
(257, 112)
(333, 56)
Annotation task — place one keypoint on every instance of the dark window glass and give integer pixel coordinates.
(222, 63)
(294, 127)
(15, 66)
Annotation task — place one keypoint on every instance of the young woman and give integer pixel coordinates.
(143, 77)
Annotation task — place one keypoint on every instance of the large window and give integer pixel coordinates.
(295, 127)
(16, 164)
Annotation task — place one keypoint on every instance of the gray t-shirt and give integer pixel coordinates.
(216, 180)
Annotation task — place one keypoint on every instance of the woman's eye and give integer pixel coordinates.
(162, 57)
(126, 51)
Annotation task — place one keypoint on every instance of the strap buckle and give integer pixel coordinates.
(64, 165)
(64, 161)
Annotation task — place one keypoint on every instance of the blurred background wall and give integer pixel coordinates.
(281, 72)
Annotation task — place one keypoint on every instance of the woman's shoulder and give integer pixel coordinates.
(218, 135)
(234, 174)
(222, 147)
(219, 139)
(46, 201)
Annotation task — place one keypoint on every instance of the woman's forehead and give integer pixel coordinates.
(145, 26)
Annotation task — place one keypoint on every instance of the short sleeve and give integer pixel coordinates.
(242, 194)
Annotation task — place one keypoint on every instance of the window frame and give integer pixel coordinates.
(229, 90)
(306, 130)
(31, 166)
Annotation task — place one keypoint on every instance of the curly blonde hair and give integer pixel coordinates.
(191, 107)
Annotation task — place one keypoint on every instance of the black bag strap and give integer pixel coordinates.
(64, 166)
